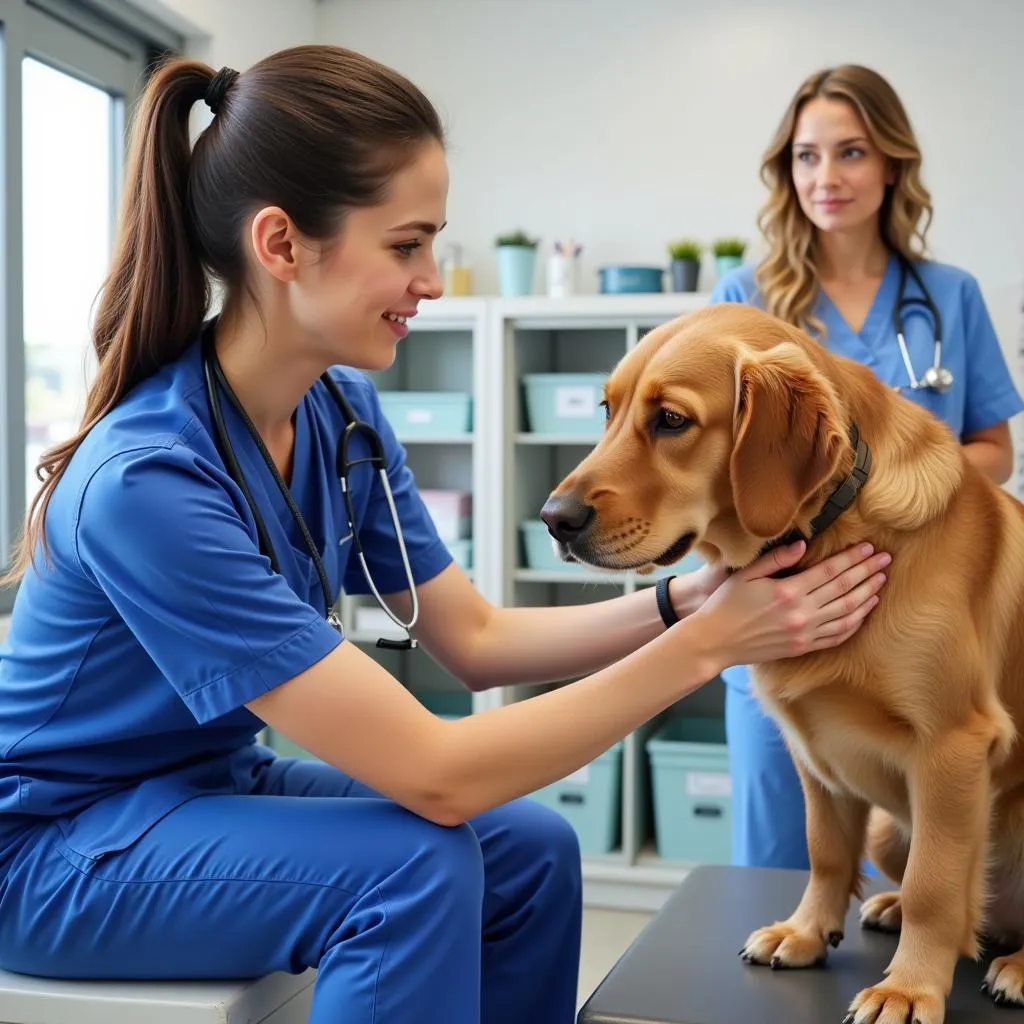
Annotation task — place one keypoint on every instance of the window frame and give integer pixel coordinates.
(109, 44)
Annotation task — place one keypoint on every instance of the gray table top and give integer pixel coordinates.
(684, 967)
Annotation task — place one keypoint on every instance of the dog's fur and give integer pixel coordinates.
(915, 718)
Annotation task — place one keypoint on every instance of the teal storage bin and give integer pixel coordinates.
(539, 550)
(692, 790)
(565, 403)
(423, 413)
(450, 704)
(462, 553)
(589, 799)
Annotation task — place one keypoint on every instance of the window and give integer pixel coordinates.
(70, 72)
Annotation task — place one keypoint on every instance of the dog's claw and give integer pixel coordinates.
(775, 963)
(834, 938)
(984, 988)
(848, 1019)
(999, 998)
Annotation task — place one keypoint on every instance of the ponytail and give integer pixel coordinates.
(156, 294)
(315, 130)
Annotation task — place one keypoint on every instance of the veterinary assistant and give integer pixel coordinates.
(183, 600)
(845, 207)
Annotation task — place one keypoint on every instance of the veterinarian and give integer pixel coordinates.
(143, 832)
(845, 225)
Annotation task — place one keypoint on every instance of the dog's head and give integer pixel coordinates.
(721, 432)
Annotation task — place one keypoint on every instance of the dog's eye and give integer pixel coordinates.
(669, 421)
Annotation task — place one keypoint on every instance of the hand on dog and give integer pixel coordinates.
(756, 618)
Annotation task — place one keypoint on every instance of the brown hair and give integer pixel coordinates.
(787, 277)
(315, 130)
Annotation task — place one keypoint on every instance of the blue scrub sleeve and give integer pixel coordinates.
(991, 396)
(428, 554)
(730, 288)
(158, 532)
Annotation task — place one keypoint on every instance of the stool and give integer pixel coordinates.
(683, 968)
(278, 998)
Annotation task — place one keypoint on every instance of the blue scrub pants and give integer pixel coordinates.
(768, 818)
(406, 920)
(768, 823)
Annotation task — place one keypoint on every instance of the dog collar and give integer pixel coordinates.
(838, 501)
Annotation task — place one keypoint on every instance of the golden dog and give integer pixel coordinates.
(727, 428)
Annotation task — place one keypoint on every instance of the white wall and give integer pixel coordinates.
(624, 123)
(237, 32)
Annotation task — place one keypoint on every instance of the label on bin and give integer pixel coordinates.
(581, 776)
(708, 784)
(419, 416)
(575, 401)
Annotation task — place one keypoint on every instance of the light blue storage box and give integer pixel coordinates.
(539, 550)
(424, 413)
(692, 790)
(462, 552)
(589, 799)
(689, 563)
(565, 403)
(450, 704)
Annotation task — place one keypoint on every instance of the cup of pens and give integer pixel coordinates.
(563, 269)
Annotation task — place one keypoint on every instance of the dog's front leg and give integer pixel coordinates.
(836, 828)
(941, 894)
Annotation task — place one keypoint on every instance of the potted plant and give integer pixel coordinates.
(728, 254)
(685, 264)
(517, 259)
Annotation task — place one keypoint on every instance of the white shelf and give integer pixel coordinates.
(557, 439)
(572, 576)
(512, 473)
(436, 439)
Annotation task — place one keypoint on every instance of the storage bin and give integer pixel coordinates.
(589, 799)
(692, 790)
(630, 280)
(420, 413)
(450, 704)
(539, 549)
(451, 511)
(565, 403)
(462, 553)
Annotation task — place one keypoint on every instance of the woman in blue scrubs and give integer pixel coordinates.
(143, 831)
(846, 202)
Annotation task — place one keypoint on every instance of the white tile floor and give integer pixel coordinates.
(606, 936)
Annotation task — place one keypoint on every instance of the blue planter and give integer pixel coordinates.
(516, 265)
(723, 264)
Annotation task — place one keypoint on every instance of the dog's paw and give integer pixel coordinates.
(891, 1002)
(1004, 980)
(882, 913)
(782, 945)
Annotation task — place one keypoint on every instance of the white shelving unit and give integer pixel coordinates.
(485, 345)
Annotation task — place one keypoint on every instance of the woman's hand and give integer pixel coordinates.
(755, 618)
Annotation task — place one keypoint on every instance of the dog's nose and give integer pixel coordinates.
(567, 517)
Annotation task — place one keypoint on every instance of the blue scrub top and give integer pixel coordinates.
(129, 661)
(983, 392)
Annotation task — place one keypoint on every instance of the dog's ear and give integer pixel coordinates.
(788, 438)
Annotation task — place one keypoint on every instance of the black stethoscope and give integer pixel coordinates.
(936, 377)
(353, 426)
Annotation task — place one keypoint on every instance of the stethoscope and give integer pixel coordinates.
(353, 426)
(936, 377)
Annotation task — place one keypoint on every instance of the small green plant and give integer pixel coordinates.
(518, 238)
(729, 247)
(685, 249)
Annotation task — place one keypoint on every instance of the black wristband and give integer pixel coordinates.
(668, 613)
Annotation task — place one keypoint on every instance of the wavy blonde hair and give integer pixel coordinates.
(787, 277)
